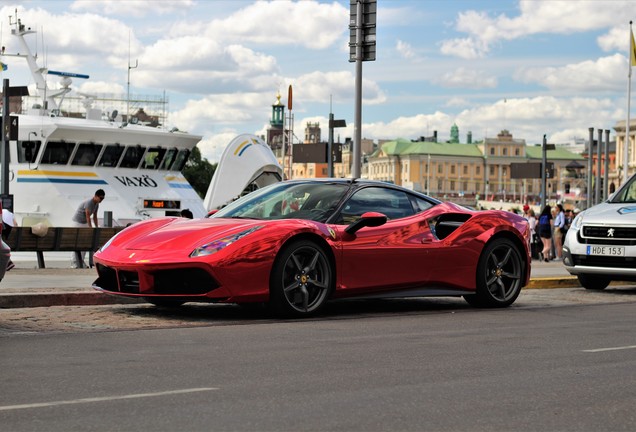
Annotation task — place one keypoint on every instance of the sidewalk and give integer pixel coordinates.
(26, 285)
(59, 285)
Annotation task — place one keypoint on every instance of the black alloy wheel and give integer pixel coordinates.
(301, 280)
(499, 275)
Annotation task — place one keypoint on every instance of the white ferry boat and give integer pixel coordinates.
(58, 161)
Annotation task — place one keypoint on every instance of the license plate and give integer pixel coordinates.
(606, 250)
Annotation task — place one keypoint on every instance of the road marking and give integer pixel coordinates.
(611, 349)
(103, 399)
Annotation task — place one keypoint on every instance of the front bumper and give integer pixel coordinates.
(579, 257)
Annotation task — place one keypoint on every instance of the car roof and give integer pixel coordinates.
(361, 183)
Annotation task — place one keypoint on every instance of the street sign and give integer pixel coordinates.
(369, 11)
(530, 170)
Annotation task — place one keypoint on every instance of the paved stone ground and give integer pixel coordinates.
(70, 319)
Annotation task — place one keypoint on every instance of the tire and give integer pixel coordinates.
(164, 302)
(301, 281)
(499, 275)
(593, 282)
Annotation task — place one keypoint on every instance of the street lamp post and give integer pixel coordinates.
(428, 176)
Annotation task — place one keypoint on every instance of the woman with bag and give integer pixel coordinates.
(545, 232)
(559, 230)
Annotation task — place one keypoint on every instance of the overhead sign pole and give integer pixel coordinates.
(361, 48)
(9, 129)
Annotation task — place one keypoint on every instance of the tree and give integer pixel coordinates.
(198, 171)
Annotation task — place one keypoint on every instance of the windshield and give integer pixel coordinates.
(626, 194)
(307, 200)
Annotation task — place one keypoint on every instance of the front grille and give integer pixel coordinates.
(605, 241)
(129, 281)
(604, 261)
(189, 281)
(609, 232)
(107, 279)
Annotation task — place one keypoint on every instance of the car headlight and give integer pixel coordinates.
(218, 244)
(578, 221)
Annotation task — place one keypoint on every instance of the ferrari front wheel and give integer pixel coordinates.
(301, 279)
(499, 275)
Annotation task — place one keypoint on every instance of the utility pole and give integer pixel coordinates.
(362, 22)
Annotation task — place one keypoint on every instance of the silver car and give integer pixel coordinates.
(600, 245)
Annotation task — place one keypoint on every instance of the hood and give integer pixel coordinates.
(187, 234)
(611, 214)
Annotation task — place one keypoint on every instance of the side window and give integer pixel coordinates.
(111, 155)
(168, 159)
(86, 154)
(390, 202)
(132, 157)
(57, 152)
(420, 204)
(153, 157)
(28, 151)
(182, 158)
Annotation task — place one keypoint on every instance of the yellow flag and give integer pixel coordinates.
(632, 49)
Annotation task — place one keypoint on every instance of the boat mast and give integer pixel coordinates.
(19, 31)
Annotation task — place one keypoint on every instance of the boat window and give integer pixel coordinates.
(57, 152)
(86, 154)
(28, 151)
(182, 158)
(153, 157)
(168, 159)
(132, 157)
(112, 154)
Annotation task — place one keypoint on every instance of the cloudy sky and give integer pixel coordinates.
(532, 67)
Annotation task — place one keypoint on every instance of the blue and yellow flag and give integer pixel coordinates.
(632, 49)
(4, 66)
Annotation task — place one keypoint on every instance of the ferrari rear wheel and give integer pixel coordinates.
(301, 279)
(499, 275)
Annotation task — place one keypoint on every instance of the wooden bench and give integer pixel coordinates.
(60, 239)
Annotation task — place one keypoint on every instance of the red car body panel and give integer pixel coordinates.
(402, 254)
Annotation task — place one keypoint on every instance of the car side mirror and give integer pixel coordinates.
(368, 219)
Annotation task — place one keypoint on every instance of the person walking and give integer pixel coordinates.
(8, 222)
(559, 230)
(545, 232)
(86, 216)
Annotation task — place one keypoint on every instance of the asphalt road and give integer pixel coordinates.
(557, 360)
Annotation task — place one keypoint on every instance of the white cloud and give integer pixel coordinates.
(135, 8)
(466, 78)
(616, 39)
(306, 23)
(606, 73)
(553, 17)
(405, 50)
(457, 102)
(319, 86)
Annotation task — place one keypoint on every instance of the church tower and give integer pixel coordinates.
(275, 131)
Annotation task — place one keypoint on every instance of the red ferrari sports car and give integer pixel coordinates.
(296, 244)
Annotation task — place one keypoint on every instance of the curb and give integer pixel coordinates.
(553, 282)
(96, 298)
(28, 300)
